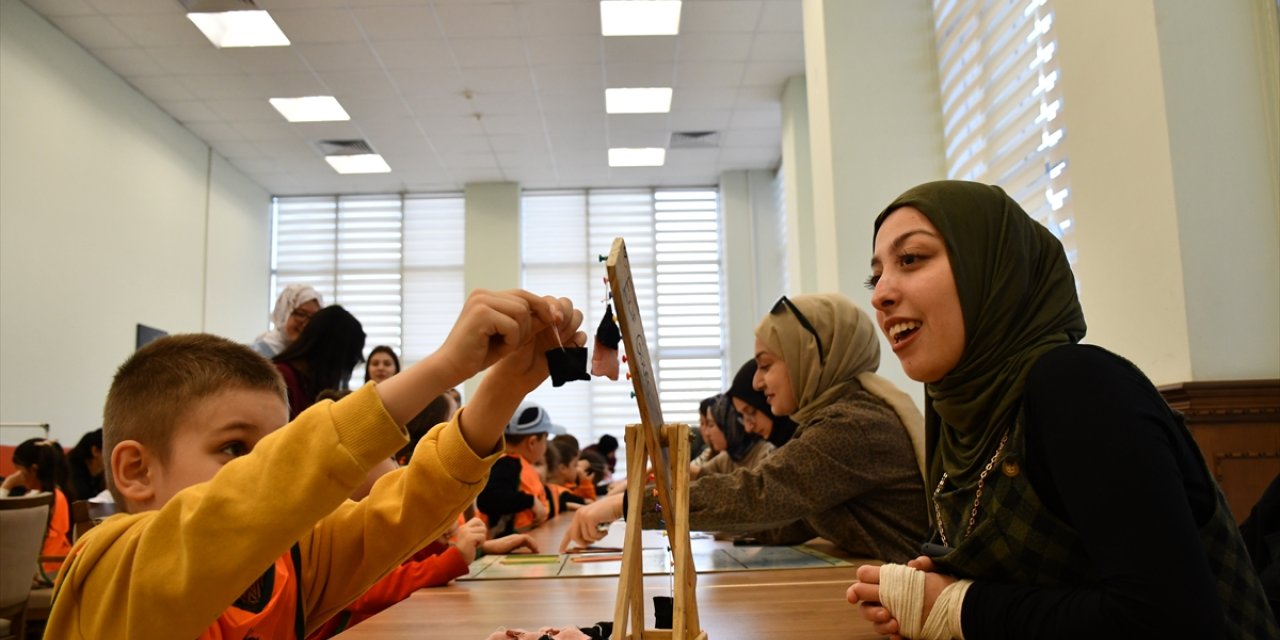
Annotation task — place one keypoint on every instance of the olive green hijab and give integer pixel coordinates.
(852, 355)
(1018, 298)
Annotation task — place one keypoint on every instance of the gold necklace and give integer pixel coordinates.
(982, 479)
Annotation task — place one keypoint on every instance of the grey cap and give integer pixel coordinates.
(531, 419)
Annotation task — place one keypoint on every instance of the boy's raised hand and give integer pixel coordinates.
(493, 324)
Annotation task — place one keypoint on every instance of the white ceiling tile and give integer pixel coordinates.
(287, 85)
(691, 99)
(414, 54)
(576, 101)
(757, 118)
(528, 124)
(189, 111)
(751, 138)
(778, 47)
(52, 8)
(569, 76)
(373, 112)
(441, 105)
(503, 103)
(237, 110)
(213, 132)
(719, 15)
(235, 148)
(265, 59)
(593, 158)
(564, 50)
(135, 7)
(568, 124)
(362, 84)
(637, 50)
(634, 138)
(129, 62)
(161, 30)
(686, 159)
(449, 125)
(474, 19)
(710, 74)
(398, 23)
(472, 53)
(92, 32)
(715, 47)
(428, 82)
(183, 60)
(266, 130)
(498, 80)
(782, 15)
(773, 74)
(749, 158)
(313, 131)
(700, 120)
(639, 122)
(451, 146)
(220, 87)
(519, 143)
(339, 57)
(162, 88)
(561, 17)
(626, 74)
(757, 97)
(596, 144)
(524, 158)
(317, 26)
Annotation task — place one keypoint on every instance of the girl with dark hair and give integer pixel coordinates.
(42, 468)
(738, 447)
(85, 462)
(381, 364)
(322, 357)
(757, 417)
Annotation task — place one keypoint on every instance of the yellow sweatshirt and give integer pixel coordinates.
(170, 573)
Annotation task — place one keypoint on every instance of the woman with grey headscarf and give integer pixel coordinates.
(852, 473)
(293, 310)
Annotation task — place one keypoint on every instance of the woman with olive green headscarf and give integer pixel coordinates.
(850, 474)
(1068, 499)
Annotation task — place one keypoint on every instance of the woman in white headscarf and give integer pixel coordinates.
(294, 308)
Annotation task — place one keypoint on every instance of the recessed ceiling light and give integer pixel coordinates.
(651, 100)
(637, 157)
(640, 17)
(310, 109)
(363, 163)
(227, 29)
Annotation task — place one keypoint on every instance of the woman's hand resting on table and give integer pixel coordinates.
(587, 521)
(866, 594)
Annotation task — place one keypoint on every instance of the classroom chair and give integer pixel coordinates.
(23, 522)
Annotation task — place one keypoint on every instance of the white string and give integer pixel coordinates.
(902, 593)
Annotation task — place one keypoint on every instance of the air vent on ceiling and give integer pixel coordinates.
(344, 147)
(695, 139)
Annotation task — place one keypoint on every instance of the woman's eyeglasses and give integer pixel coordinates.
(784, 304)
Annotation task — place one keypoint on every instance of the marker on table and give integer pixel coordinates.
(596, 558)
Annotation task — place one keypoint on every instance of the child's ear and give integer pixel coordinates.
(131, 472)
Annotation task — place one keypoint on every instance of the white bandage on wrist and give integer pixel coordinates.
(902, 593)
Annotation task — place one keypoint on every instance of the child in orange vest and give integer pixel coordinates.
(515, 498)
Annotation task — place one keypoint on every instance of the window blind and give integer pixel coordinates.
(673, 243)
(1002, 103)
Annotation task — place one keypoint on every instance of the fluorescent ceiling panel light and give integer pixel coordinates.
(227, 29)
(310, 109)
(652, 100)
(642, 157)
(363, 163)
(640, 17)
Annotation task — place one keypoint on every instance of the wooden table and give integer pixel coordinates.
(738, 605)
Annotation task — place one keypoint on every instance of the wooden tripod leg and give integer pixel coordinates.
(685, 615)
(629, 605)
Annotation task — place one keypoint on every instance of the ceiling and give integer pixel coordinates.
(458, 91)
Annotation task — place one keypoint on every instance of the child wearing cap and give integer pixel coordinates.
(515, 498)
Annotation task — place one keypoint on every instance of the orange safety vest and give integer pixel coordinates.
(270, 608)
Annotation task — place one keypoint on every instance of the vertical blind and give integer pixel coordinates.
(1002, 103)
(673, 243)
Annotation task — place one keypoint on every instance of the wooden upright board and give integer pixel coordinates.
(641, 368)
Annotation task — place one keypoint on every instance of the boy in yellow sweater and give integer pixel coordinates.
(236, 528)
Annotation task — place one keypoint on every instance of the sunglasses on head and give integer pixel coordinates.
(784, 304)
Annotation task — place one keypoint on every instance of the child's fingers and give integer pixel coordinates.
(863, 592)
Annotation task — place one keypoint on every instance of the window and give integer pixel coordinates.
(1002, 103)
(395, 262)
(673, 242)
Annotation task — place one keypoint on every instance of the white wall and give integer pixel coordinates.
(754, 258)
(105, 207)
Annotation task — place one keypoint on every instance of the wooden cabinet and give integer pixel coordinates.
(1237, 425)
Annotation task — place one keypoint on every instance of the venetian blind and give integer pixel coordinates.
(1002, 103)
(673, 242)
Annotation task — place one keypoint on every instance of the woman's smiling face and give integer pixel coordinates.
(914, 293)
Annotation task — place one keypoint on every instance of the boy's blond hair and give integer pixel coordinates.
(161, 381)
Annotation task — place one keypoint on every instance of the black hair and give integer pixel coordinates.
(84, 484)
(50, 463)
(437, 411)
(707, 404)
(331, 346)
(382, 348)
(607, 445)
(566, 447)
